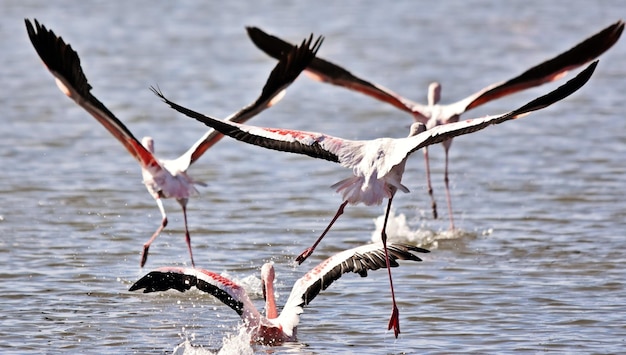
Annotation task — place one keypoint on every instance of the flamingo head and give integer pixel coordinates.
(148, 143)
(267, 277)
(417, 128)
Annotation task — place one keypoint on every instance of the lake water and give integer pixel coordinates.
(537, 265)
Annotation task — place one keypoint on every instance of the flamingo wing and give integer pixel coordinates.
(545, 72)
(358, 260)
(289, 67)
(441, 133)
(548, 71)
(325, 71)
(64, 64)
(317, 145)
(183, 279)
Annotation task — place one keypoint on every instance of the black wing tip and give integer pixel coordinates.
(157, 91)
(617, 28)
(219, 125)
(271, 45)
(595, 45)
(291, 63)
(33, 30)
(374, 259)
(603, 40)
(29, 25)
(156, 281)
(558, 94)
(591, 67)
(142, 283)
(277, 47)
(316, 45)
(402, 251)
(41, 36)
(59, 57)
(298, 57)
(137, 286)
(609, 34)
(253, 31)
(581, 79)
(257, 34)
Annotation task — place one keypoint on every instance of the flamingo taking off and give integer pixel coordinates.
(163, 178)
(434, 114)
(274, 329)
(377, 165)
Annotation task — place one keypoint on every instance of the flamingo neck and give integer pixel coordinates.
(434, 93)
(267, 277)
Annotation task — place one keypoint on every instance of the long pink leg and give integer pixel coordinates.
(447, 183)
(308, 251)
(187, 236)
(146, 246)
(433, 203)
(394, 321)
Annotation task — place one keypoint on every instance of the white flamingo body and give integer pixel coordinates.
(162, 178)
(169, 178)
(433, 113)
(377, 165)
(274, 328)
(373, 179)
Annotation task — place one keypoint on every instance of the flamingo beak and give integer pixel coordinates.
(264, 291)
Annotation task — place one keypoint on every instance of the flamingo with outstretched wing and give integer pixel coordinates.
(434, 114)
(378, 164)
(275, 328)
(163, 178)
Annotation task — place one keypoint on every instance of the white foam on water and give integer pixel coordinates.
(400, 230)
(232, 343)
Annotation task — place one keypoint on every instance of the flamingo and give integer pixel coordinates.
(433, 114)
(377, 165)
(274, 329)
(162, 178)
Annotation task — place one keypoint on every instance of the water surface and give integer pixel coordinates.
(537, 263)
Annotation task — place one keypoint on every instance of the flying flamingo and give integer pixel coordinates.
(377, 165)
(163, 178)
(274, 329)
(434, 114)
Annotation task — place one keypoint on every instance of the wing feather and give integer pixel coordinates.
(183, 279)
(325, 71)
(64, 64)
(313, 144)
(548, 71)
(441, 133)
(289, 67)
(357, 260)
(542, 73)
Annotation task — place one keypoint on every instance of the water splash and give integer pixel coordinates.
(251, 283)
(236, 343)
(399, 230)
(188, 348)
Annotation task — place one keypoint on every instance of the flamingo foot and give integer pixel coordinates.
(144, 255)
(304, 255)
(394, 321)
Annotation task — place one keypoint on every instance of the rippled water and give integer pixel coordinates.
(537, 265)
